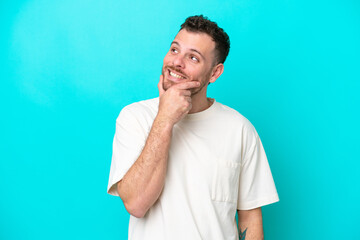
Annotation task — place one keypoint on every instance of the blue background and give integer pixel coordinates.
(68, 67)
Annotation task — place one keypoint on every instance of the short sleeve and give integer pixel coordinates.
(256, 187)
(128, 143)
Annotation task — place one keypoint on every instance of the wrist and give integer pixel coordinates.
(163, 123)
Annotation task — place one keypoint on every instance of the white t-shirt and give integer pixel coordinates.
(216, 165)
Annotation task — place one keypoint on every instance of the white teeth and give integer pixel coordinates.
(175, 75)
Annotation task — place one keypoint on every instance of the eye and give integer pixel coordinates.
(174, 50)
(194, 58)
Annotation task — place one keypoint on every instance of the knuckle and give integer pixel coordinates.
(186, 105)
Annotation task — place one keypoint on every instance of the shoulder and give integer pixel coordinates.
(232, 116)
(143, 107)
(238, 125)
(139, 113)
(241, 127)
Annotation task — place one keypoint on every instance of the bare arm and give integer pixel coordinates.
(142, 184)
(250, 224)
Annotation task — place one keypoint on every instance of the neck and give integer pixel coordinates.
(199, 103)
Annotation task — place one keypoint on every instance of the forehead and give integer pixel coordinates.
(200, 42)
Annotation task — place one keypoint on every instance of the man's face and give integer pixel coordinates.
(190, 58)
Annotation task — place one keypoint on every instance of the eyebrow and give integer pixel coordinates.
(192, 49)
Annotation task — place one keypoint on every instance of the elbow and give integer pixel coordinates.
(135, 209)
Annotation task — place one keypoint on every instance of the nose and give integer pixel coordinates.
(178, 61)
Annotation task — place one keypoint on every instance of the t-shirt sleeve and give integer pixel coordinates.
(256, 187)
(128, 142)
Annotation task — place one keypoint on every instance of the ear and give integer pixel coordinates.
(216, 72)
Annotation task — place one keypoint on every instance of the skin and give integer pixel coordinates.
(251, 222)
(142, 184)
(191, 56)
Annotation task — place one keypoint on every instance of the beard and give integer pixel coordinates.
(194, 91)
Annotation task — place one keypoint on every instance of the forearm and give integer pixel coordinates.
(142, 184)
(250, 225)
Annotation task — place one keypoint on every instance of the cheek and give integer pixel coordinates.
(193, 73)
(167, 58)
(196, 74)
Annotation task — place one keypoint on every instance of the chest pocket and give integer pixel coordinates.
(225, 184)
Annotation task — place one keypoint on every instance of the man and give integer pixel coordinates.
(183, 164)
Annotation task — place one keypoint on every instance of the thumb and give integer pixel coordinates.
(160, 85)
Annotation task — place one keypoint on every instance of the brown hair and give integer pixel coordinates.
(202, 24)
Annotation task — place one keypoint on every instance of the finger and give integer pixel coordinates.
(187, 85)
(185, 92)
(190, 107)
(161, 86)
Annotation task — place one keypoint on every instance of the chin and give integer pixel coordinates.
(167, 84)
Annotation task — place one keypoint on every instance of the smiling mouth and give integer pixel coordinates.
(175, 75)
